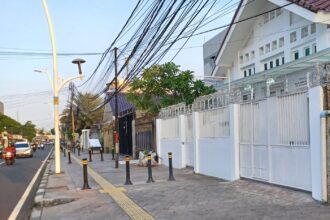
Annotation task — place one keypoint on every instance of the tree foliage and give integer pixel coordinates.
(84, 116)
(164, 85)
(28, 130)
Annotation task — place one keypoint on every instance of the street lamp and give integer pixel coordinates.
(57, 87)
(46, 72)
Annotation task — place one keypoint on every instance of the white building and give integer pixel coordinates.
(270, 124)
(273, 39)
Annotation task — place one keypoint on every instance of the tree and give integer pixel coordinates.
(11, 125)
(164, 85)
(28, 130)
(52, 131)
(84, 116)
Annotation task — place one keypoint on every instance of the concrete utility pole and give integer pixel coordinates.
(57, 87)
(116, 110)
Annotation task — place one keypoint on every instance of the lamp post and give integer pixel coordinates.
(57, 85)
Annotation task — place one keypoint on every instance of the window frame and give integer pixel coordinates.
(293, 37)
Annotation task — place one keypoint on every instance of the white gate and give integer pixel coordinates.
(274, 141)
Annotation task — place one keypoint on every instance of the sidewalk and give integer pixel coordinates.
(189, 197)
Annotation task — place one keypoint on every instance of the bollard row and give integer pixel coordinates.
(150, 178)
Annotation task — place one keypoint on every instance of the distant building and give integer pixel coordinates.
(2, 109)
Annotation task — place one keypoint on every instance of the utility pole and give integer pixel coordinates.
(116, 110)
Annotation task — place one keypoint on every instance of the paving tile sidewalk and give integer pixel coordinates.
(189, 197)
(88, 204)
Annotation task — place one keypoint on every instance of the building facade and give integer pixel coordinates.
(270, 124)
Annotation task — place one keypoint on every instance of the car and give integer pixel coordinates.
(23, 149)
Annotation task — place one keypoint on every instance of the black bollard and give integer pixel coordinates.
(84, 162)
(64, 154)
(128, 176)
(101, 152)
(171, 177)
(150, 179)
(113, 153)
(78, 151)
(90, 155)
(69, 157)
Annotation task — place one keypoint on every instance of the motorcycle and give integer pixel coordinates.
(9, 156)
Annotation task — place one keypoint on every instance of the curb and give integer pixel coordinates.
(24, 204)
(39, 197)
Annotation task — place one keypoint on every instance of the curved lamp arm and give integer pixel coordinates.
(69, 80)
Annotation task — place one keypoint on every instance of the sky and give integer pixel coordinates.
(80, 27)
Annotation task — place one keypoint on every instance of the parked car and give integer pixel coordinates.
(23, 149)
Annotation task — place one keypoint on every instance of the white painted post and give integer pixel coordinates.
(195, 118)
(182, 136)
(133, 138)
(234, 136)
(159, 138)
(315, 108)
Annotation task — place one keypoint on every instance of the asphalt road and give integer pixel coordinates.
(15, 179)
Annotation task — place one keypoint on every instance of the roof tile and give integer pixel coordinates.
(314, 5)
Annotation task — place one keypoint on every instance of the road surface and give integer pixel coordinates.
(15, 179)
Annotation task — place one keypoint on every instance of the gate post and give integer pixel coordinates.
(158, 138)
(182, 136)
(234, 139)
(195, 118)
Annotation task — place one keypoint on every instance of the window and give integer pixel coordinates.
(265, 66)
(271, 15)
(293, 37)
(274, 45)
(283, 60)
(247, 57)
(307, 51)
(304, 32)
(328, 26)
(267, 48)
(271, 64)
(261, 50)
(277, 62)
(291, 18)
(281, 42)
(314, 48)
(278, 12)
(252, 55)
(241, 59)
(266, 18)
(254, 70)
(245, 73)
(295, 55)
(313, 28)
(250, 72)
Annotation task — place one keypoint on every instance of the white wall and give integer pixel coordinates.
(174, 146)
(219, 157)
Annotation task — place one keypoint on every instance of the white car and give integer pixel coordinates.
(23, 149)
